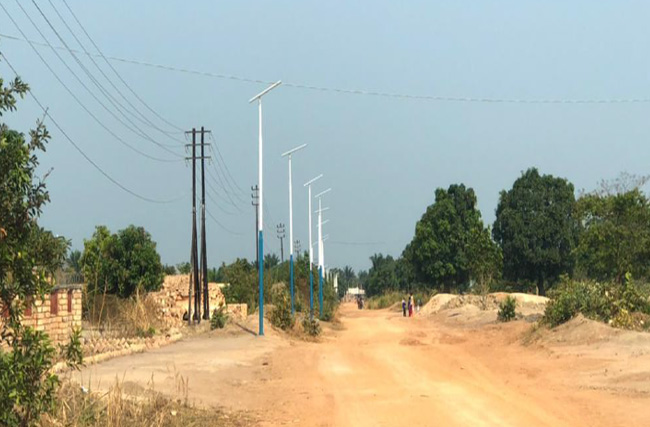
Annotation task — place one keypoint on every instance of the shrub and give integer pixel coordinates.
(311, 327)
(281, 314)
(619, 303)
(507, 309)
(379, 302)
(219, 318)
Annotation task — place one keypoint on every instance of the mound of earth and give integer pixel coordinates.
(526, 304)
(437, 303)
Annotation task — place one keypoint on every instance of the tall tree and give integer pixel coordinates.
(615, 239)
(121, 263)
(450, 244)
(536, 229)
(382, 275)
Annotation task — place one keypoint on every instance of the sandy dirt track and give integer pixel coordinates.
(378, 369)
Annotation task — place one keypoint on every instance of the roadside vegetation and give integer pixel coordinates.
(589, 254)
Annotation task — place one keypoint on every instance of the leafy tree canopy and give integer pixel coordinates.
(615, 237)
(536, 228)
(451, 245)
(123, 263)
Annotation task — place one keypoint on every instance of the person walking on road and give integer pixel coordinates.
(411, 305)
(403, 307)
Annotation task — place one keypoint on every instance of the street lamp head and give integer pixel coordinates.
(313, 180)
(322, 193)
(293, 150)
(265, 91)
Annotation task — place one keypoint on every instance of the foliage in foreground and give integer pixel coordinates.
(622, 305)
(507, 309)
(29, 256)
(115, 409)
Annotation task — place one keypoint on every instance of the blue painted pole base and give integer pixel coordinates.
(261, 276)
(320, 292)
(311, 294)
(293, 310)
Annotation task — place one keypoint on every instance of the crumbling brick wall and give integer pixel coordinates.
(57, 314)
(174, 294)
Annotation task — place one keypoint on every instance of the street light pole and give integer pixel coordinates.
(289, 153)
(321, 257)
(260, 222)
(311, 256)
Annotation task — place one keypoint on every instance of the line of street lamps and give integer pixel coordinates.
(260, 226)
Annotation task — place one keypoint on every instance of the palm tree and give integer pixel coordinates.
(271, 260)
(73, 261)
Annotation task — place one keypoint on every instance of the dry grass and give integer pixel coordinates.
(129, 317)
(124, 406)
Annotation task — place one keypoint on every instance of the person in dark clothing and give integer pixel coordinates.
(403, 307)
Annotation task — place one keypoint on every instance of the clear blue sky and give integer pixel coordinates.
(383, 157)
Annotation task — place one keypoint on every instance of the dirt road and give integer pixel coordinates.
(381, 369)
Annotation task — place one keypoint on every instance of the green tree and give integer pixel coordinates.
(451, 244)
(184, 267)
(122, 263)
(536, 229)
(169, 269)
(242, 285)
(615, 237)
(382, 275)
(73, 260)
(29, 256)
(271, 261)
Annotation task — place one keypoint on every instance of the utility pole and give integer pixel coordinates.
(281, 236)
(194, 285)
(255, 202)
(289, 154)
(311, 247)
(296, 245)
(204, 255)
(260, 223)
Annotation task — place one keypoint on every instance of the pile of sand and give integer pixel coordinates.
(526, 304)
(437, 303)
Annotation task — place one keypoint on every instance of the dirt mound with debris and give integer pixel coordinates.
(526, 304)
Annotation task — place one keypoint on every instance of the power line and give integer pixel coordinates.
(85, 156)
(116, 72)
(137, 112)
(223, 227)
(437, 98)
(216, 146)
(92, 78)
(81, 104)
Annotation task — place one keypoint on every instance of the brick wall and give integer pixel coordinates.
(57, 314)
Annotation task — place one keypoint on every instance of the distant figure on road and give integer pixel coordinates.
(419, 305)
(411, 305)
(403, 307)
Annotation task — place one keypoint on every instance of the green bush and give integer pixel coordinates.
(507, 309)
(605, 302)
(379, 302)
(311, 327)
(281, 316)
(219, 318)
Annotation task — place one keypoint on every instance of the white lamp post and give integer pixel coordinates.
(311, 255)
(289, 153)
(260, 221)
(321, 258)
